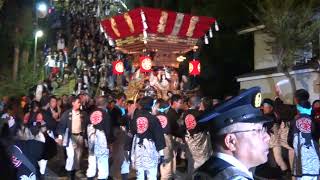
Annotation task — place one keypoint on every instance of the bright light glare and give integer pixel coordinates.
(39, 33)
(42, 7)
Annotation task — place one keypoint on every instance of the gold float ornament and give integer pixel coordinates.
(257, 100)
(193, 22)
(129, 22)
(177, 24)
(190, 67)
(162, 22)
(114, 27)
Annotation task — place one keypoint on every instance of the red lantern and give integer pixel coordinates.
(145, 64)
(117, 67)
(194, 67)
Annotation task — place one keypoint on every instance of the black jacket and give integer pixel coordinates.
(66, 122)
(173, 118)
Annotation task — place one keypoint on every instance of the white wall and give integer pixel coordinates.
(308, 79)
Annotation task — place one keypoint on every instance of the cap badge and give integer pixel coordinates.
(257, 100)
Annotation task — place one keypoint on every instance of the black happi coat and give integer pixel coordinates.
(152, 128)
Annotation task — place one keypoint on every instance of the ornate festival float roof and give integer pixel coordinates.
(167, 33)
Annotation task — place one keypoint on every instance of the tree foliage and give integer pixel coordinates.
(16, 28)
(291, 24)
(25, 80)
(1, 3)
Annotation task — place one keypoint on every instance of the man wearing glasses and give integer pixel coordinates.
(240, 140)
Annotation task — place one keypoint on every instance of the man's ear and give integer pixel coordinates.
(230, 142)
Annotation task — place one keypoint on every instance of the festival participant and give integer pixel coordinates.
(173, 114)
(196, 137)
(316, 119)
(148, 142)
(118, 122)
(280, 166)
(160, 109)
(98, 132)
(306, 151)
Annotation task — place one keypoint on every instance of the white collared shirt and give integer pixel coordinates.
(76, 122)
(235, 162)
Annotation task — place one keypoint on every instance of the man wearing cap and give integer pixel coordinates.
(240, 141)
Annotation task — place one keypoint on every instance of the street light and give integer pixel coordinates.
(37, 35)
(42, 9)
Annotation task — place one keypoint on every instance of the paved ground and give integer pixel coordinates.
(55, 170)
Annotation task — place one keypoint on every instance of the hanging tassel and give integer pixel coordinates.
(111, 42)
(143, 18)
(101, 28)
(210, 33)
(145, 35)
(216, 26)
(145, 26)
(206, 40)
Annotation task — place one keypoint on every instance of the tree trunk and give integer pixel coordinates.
(15, 62)
(292, 82)
(25, 56)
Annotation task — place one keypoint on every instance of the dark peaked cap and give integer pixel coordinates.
(242, 108)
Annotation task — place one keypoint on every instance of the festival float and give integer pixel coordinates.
(165, 34)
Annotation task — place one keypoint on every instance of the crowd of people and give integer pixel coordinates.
(106, 122)
(148, 136)
(81, 51)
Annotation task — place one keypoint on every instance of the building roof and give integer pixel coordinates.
(273, 72)
(251, 29)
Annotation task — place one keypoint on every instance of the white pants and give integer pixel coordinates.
(42, 163)
(151, 174)
(74, 152)
(98, 162)
(125, 167)
(307, 178)
(42, 166)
